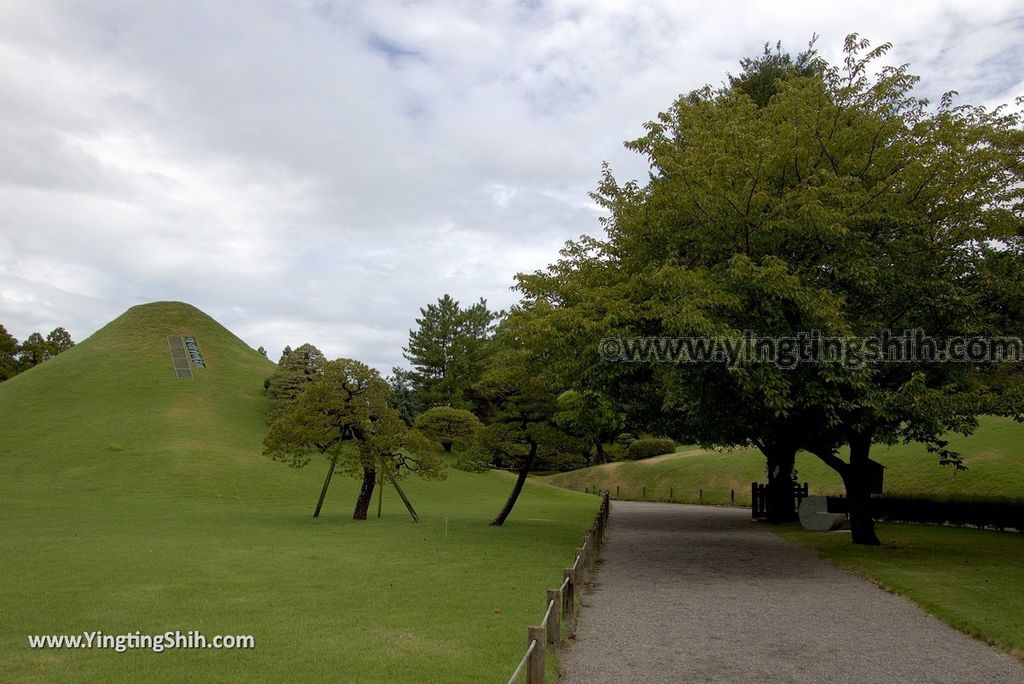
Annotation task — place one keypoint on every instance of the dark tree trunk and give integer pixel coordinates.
(601, 456)
(858, 492)
(365, 493)
(524, 470)
(323, 490)
(447, 446)
(781, 502)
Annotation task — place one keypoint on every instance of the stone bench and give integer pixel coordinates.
(814, 515)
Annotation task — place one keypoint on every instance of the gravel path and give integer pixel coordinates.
(702, 594)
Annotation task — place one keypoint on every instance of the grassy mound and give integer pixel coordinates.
(133, 501)
(994, 455)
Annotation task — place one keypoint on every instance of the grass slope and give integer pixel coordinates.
(994, 455)
(130, 500)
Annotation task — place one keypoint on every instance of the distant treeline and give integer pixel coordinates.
(18, 357)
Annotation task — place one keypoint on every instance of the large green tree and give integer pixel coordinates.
(58, 340)
(294, 371)
(448, 351)
(402, 397)
(591, 417)
(15, 358)
(842, 206)
(761, 76)
(343, 414)
(33, 351)
(517, 399)
(8, 354)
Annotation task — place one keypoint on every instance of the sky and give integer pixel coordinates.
(318, 171)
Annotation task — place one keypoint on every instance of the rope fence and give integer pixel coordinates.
(561, 602)
(689, 495)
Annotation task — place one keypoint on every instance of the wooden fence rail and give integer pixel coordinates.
(561, 602)
(686, 495)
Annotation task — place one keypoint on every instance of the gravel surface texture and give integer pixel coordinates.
(702, 594)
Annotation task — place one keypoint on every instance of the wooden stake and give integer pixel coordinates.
(327, 483)
(401, 493)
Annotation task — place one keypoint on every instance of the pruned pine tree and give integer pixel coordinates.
(343, 415)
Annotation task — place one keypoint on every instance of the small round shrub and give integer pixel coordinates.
(625, 439)
(650, 446)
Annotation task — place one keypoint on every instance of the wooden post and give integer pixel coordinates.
(644, 495)
(553, 627)
(701, 494)
(572, 602)
(670, 495)
(380, 494)
(583, 562)
(732, 497)
(616, 491)
(569, 597)
(535, 666)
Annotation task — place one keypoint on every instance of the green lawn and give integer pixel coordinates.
(994, 456)
(130, 501)
(971, 579)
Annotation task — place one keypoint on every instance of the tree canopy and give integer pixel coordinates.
(448, 426)
(843, 206)
(343, 414)
(589, 416)
(8, 354)
(448, 351)
(295, 369)
(16, 358)
(517, 400)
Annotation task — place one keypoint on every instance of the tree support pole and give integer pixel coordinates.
(401, 493)
(380, 497)
(327, 483)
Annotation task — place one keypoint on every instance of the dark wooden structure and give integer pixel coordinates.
(759, 499)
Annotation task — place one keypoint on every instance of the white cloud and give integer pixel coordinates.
(318, 171)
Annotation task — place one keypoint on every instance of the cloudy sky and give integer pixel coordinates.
(317, 171)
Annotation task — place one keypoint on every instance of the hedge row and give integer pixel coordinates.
(998, 514)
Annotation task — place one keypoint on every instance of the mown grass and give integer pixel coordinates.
(994, 455)
(970, 579)
(130, 501)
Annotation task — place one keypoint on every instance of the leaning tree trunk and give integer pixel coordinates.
(780, 500)
(365, 493)
(600, 455)
(857, 479)
(524, 470)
